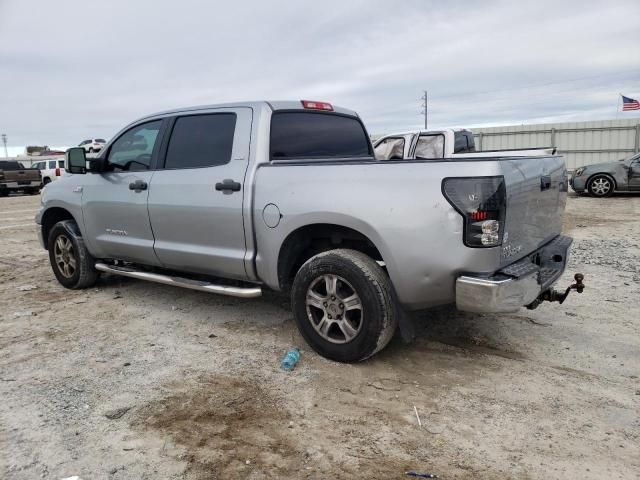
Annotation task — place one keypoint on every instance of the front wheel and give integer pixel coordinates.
(601, 186)
(344, 305)
(72, 264)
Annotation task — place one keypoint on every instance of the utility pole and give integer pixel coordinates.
(425, 109)
(4, 140)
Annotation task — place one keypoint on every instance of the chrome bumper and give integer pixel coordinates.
(17, 185)
(517, 285)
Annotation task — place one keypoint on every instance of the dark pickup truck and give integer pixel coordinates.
(14, 177)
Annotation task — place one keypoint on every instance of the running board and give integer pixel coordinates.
(242, 292)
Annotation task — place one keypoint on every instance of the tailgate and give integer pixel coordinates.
(536, 196)
(26, 175)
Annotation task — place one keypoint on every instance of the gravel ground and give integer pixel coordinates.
(132, 380)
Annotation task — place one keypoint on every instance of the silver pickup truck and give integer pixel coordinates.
(235, 198)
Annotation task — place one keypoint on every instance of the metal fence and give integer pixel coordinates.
(581, 143)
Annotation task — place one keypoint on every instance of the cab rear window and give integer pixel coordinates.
(314, 135)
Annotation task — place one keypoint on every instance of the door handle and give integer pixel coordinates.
(228, 185)
(138, 186)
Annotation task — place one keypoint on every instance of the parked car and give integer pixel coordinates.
(235, 198)
(92, 145)
(50, 170)
(15, 177)
(602, 179)
(445, 143)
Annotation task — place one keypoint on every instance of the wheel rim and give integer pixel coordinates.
(64, 256)
(334, 309)
(600, 186)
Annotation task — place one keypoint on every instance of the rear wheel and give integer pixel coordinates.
(70, 260)
(344, 305)
(4, 192)
(46, 181)
(601, 186)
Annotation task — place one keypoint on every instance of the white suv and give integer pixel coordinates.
(50, 170)
(93, 145)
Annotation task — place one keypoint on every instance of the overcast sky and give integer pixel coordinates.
(77, 69)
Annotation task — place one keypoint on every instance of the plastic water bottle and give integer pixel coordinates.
(290, 359)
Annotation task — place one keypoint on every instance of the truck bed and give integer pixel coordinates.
(399, 205)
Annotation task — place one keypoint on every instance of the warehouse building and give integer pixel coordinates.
(581, 143)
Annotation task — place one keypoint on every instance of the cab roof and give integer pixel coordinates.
(255, 105)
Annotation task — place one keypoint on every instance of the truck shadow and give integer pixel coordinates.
(469, 333)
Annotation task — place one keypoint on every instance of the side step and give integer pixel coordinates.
(242, 292)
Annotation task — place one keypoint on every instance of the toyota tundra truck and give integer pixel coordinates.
(237, 198)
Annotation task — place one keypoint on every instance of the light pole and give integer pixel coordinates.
(425, 110)
(4, 140)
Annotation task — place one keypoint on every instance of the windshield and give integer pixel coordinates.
(635, 156)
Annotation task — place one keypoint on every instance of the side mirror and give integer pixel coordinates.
(76, 160)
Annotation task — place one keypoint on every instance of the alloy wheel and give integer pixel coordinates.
(64, 256)
(334, 308)
(601, 186)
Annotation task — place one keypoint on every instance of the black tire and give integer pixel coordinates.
(601, 186)
(377, 319)
(84, 274)
(4, 193)
(91, 150)
(33, 191)
(46, 181)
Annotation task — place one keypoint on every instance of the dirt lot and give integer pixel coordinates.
(135, 380)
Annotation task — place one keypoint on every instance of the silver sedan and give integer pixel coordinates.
(602, 179)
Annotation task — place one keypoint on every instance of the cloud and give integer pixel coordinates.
(74, 69)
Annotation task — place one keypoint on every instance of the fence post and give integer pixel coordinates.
(636, 146)
(553, 138)
(480, 140)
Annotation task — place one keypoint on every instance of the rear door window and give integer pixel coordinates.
(429, 147)
(311, 135)
(201, 141)
(390, 149)
(52, 164)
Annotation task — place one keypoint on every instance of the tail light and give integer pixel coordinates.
(482, 203)
(310, 104)
(57, 172)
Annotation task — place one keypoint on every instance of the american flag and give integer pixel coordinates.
(629, 104)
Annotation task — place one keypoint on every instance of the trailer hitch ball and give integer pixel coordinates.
(556, 296)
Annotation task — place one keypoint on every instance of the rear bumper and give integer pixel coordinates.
(517, 285)
(20, 185)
